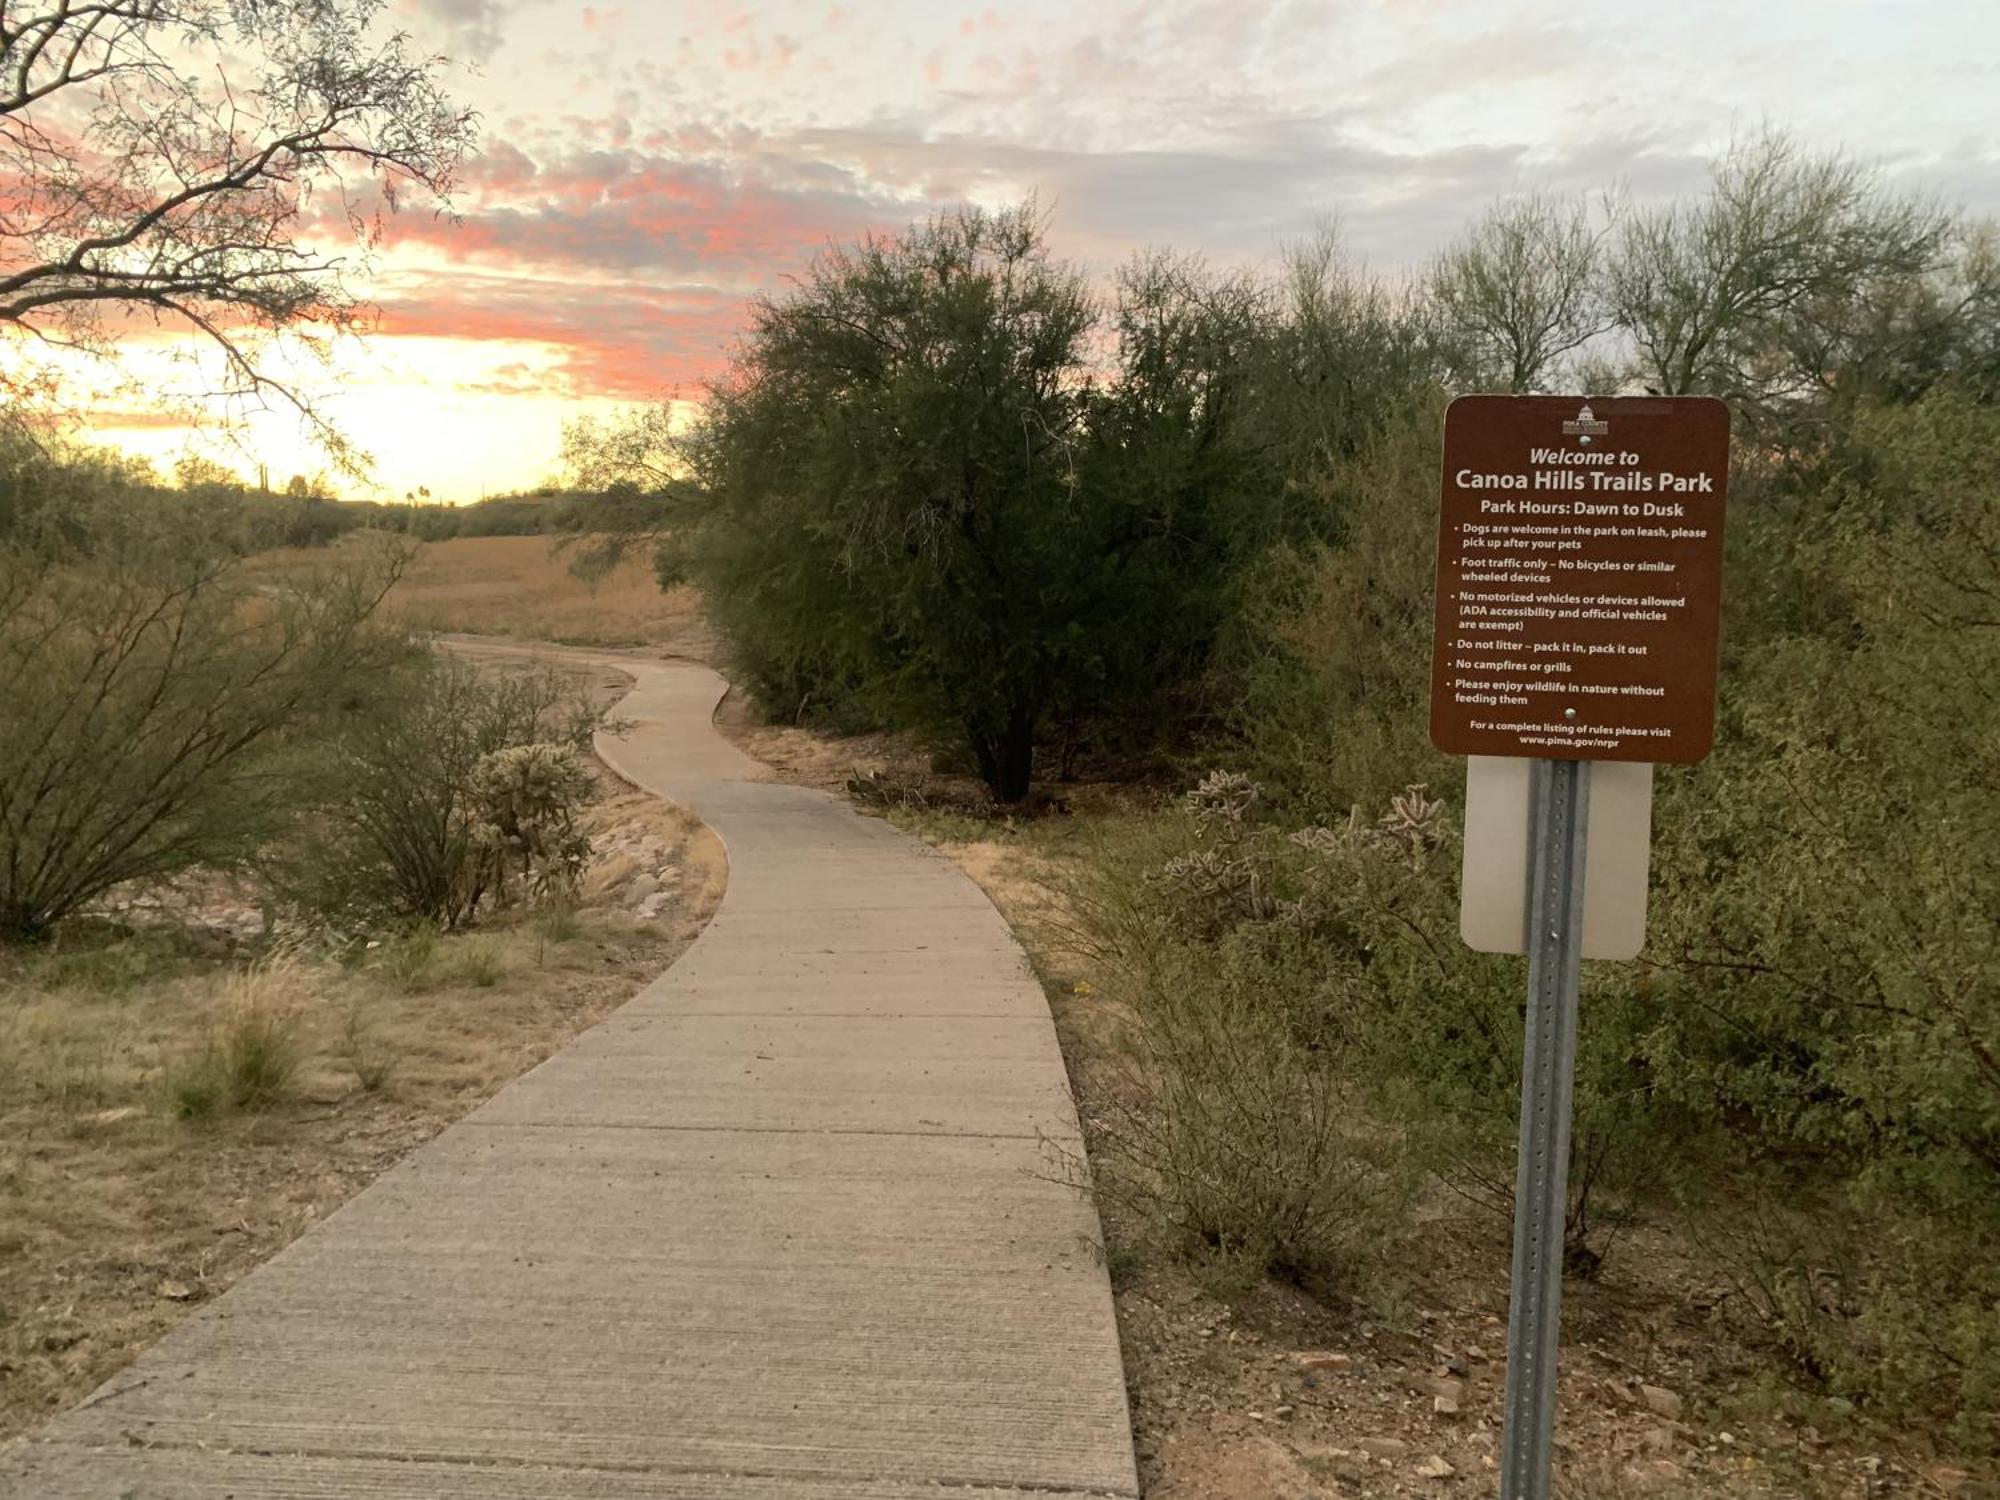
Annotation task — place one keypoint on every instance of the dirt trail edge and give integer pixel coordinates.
(782, 1226)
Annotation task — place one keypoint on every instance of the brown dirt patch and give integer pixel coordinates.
(811, 757)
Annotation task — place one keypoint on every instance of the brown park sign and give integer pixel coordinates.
(1579, 577)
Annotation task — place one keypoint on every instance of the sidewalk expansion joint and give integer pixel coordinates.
(919, 1135)
(943, 1484)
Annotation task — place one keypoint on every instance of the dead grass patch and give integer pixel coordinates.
(117, 1213)
(521, 588)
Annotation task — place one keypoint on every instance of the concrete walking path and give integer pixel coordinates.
(777, 1229)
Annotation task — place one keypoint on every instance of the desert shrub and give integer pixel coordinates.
(1246, 1143)
(1342, 942)
(1236, 1127)
(151, 690)
(194, 1087)
(446, 784)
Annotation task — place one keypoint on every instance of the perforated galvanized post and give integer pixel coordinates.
(1559, 814)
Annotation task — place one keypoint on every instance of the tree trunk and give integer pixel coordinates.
(1007, 760)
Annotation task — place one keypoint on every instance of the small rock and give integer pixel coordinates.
(1435, 1467)
(1661, 1402)
(1445, 1406)
(1282, 1413)
(178, 1291)
(1383, 1447)
(1658, 1440)
(1323, 1361)
(642, 886)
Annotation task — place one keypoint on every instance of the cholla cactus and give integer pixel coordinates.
(1319, 840)
(1216, 888)
(1223, 802)
(1222, 883)
(522, 806)
(1414, 821)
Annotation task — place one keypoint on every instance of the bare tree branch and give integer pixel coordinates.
(170, 157)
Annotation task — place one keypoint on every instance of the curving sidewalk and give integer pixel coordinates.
(777, 1229)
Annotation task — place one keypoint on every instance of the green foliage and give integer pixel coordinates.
(1829, 881)
(152, 692)
(892, 503)
(1335, 676)
(925, 497)
(1708, 290)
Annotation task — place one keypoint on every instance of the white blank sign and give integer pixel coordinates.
(1493, 912)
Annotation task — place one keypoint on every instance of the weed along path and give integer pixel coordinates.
(781, 1227)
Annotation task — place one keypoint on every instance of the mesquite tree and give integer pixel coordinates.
(890, 483)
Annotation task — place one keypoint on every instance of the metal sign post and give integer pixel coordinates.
(1560, 822)
(1579, 612)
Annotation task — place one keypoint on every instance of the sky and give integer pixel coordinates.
(646, 168)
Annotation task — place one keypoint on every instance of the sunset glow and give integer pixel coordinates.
(648, 168)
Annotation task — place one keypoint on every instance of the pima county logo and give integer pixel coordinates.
(1586, 424)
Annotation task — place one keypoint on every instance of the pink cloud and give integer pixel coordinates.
(623, 210)
(627, 341)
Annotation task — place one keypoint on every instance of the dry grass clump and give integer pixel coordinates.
(254, 1052)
